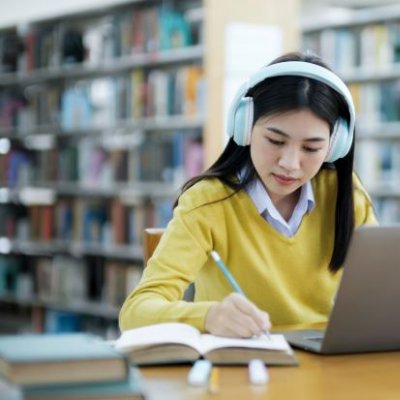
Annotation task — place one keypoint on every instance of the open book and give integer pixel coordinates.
(177, 343)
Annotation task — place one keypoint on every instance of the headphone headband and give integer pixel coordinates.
(237, 118)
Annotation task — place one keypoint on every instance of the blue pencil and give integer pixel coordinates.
(225, 271)
(229, 276)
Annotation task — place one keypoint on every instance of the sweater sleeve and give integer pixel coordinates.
(183, 250)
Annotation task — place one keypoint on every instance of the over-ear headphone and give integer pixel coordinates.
(241, 112)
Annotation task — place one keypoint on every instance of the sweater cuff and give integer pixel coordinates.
(199, 315)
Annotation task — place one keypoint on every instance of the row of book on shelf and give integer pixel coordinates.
(42, 316)
(376, 102)
(388, 210)
(162, 157)
(378, 163)
(68, 280)
(105, 223)
(372, 46)
(104, 101)
(125, 32)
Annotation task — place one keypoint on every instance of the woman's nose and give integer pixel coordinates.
(290, 159)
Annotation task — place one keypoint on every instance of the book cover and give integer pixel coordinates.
(130, 388)
(169, 343)
(55, 359)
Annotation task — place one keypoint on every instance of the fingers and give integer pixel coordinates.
(243, 326)
(236, 316)
(259, 317)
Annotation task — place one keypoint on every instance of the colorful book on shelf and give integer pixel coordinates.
(130, 388)
(57, 322)
(170, 343)
(30, 360)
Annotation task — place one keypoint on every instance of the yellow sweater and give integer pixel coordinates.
(287, 277)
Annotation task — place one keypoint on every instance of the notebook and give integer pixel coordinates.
(365, 316)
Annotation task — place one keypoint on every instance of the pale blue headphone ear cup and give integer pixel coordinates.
(243, 121)
(340, 141)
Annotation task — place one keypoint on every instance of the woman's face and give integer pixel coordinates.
(287, 150)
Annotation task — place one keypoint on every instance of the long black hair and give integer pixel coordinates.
(286, 93)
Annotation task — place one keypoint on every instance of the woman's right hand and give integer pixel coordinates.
(236, 316)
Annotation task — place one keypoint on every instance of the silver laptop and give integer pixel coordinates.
(366, 313)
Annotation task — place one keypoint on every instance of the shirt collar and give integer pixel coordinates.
(263, 202)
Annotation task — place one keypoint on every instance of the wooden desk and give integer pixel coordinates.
(358, 376)
(363, 376)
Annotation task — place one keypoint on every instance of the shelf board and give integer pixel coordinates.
(10, 323)
(351, 18)
(112, 66)
(86, 10)
(28, 195)
(156, 123)
(135, 191)
(379, 131)
(366, 74)
(88, 308)
(195, 15)
(390, 191)
(41, 137)
(122, 128)
(77, 249)
(128, 193)
(168, 123)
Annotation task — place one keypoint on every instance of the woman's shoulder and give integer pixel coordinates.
(327, 179)
(362, 198)
(206, 191)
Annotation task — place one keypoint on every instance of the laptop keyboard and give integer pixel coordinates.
(315, 338)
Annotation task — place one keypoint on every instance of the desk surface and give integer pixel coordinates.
(361, 376)
(356, 376)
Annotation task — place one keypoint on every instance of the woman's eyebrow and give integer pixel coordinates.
(280, 132)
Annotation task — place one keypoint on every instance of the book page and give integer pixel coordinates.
(158, 334)
(211, 342)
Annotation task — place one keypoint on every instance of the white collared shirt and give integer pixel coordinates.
(268, 211)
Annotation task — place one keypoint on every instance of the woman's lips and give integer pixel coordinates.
(284, 180)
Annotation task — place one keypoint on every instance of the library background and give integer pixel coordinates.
(107, 107)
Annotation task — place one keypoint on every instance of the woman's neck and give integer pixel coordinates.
(286, 205)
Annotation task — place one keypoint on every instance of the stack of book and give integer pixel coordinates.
(67, 367)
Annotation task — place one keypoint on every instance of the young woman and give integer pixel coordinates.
(279, 206)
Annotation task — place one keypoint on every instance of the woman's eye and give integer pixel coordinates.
(310, 149)
(275, 142)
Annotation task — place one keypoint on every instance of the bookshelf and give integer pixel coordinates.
(104, 113)
(364, 48)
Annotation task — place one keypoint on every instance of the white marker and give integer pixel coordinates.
(199, 373)
(258, 373)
